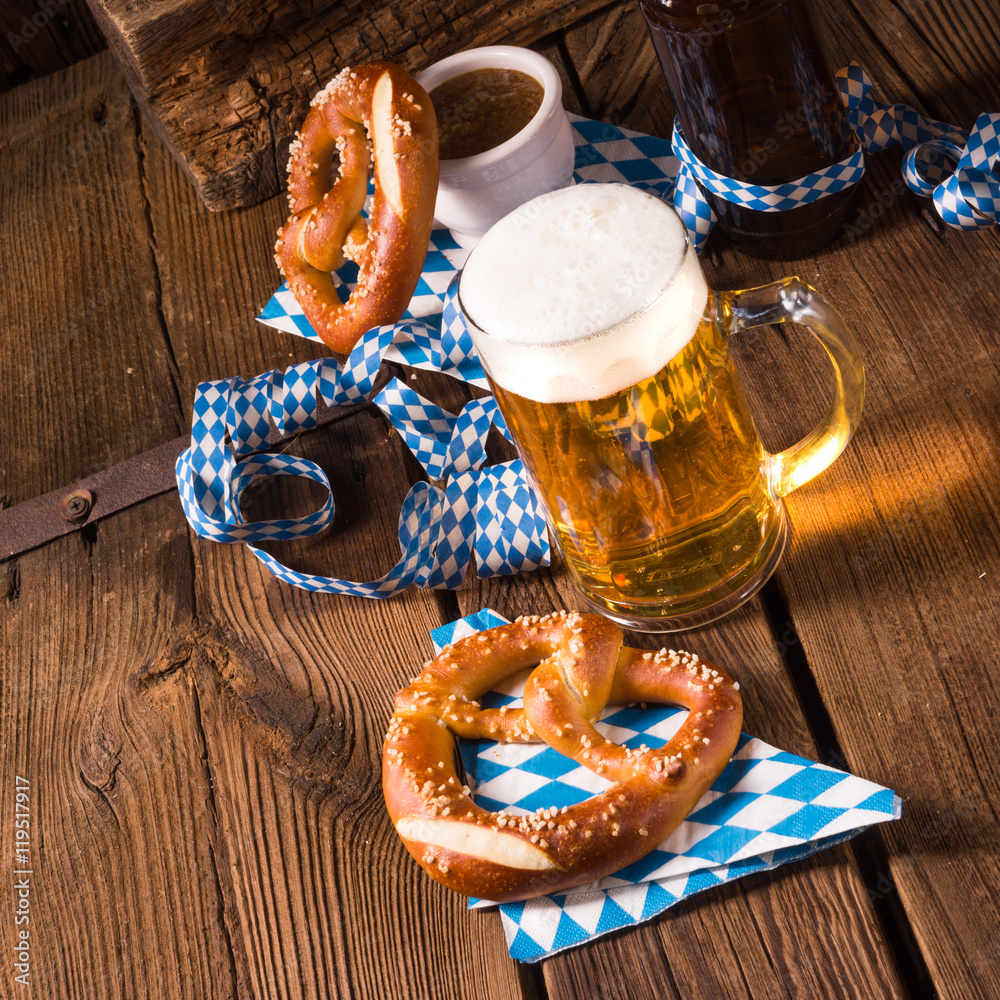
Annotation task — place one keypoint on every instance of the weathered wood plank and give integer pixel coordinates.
(43, 37)
(294, 712)
(882, 579)
(891, 583)
(936, 55)
(909, 688)
(614, 62)
(80, 326)
(216, 271)
(224, 86)
(98, 715)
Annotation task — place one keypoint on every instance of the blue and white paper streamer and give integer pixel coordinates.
(492, 512)
(768, 807)
(954, 167)
(489, 512)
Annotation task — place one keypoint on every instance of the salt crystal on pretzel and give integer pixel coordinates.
(583, 667)
(326, 227)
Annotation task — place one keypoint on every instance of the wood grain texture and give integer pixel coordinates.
(91, 370)
(205, 740)
(619, 76)
(892, 588)
(890, 577)
(42, 36)
(225, 85)
(924, 535)
(217, 272)
(125, 897)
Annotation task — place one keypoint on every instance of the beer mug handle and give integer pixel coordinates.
(791, 299)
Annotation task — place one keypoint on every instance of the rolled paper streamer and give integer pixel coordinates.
(927, 165)
(761, 197)
(946, 163)
(491, 512)
(953, 167)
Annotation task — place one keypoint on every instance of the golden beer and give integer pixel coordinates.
(608, 358)
(657, 495)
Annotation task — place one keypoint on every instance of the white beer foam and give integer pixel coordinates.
(583, 292)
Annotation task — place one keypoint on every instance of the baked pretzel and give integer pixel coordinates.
(326, 226)
(504, 857)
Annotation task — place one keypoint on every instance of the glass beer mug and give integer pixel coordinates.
(608, 357)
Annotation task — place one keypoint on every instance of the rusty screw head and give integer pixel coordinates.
(75, 507)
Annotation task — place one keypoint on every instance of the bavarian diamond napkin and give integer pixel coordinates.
(492, 512)
(603, 153)
(767, 807)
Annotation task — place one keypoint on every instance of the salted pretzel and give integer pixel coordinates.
(583, 667)
(326, 226)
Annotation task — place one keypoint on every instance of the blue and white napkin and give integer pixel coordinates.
(767, 808)
(488, 512)
(491, 512)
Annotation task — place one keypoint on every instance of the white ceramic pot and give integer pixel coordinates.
(476, 191)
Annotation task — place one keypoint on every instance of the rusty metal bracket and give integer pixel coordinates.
(34, 522)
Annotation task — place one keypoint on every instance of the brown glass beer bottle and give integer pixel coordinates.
(757, 102)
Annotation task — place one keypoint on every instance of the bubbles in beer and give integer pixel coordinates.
(583, 292)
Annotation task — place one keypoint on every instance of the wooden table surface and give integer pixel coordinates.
(202, 742)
